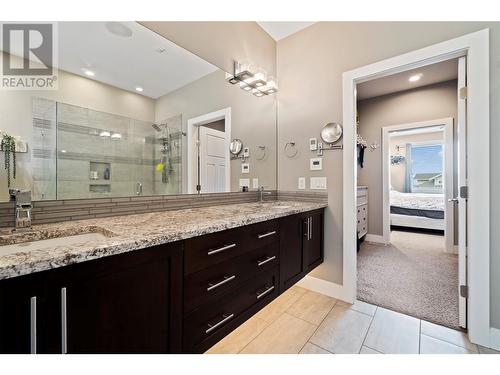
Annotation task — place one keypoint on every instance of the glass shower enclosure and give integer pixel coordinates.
(100, 154)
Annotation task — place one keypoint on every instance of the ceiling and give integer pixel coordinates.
(430, 74)
(128, 62)
(280, 30)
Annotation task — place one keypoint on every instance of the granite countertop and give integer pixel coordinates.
(122, 234)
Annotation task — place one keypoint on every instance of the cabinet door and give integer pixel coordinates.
(21, 316)
(291, 254)
(313, 245)
(127, 303)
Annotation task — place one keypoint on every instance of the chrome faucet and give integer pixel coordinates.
(262, 192)
(23, 208)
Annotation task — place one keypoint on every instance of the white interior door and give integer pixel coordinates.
(212, 160)
(461, 199)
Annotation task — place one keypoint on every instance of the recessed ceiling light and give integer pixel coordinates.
(140, 89)
(119, 29)
(415, 77)
(89, 73)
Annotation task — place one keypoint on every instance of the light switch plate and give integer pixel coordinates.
(244, 182)
(313, 144)
(302, 183)
(246, 152)
(255, 183)
(316, 164)
(245, 168)
(318, 183)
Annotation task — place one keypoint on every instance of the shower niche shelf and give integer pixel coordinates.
(100, 171)
(100, 188)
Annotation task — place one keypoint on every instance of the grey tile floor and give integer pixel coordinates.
(302, 321)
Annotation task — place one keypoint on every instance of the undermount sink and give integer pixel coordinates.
(282, 207)
(78, 239)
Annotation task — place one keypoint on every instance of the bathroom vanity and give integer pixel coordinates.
(164, 282)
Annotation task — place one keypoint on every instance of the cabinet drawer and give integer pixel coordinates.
(210, 319)
(206, 251)
(212, 282)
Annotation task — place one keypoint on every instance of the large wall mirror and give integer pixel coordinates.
(135, 114)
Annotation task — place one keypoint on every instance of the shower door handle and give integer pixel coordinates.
(138, 188)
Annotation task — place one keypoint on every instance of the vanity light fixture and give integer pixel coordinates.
(245, 86)
(257, 82)
(415, 78)
(89, 73)
(104, 134)
(257, 92)
(138, 88)
(116, 136)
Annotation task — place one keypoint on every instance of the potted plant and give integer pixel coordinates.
(8, 146)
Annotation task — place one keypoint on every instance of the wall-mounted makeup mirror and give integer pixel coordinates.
(331, 133)
(235, 146)
(133, 114)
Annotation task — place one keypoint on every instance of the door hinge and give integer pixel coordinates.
(464, 192)
(198, 188)
(463, 92)
(464, 291)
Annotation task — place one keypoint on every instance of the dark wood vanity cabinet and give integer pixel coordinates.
(21, 303)
(180, 297)
(301, 246)
(129, 303)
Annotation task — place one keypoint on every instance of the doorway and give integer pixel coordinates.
(208, 152)
(474, 195)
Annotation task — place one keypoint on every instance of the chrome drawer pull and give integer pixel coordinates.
(226, 280)
(266, 234)
(216, 325)
(33, 325)
(265, 292)
(262, 262)
(64, 323)
(215, 251)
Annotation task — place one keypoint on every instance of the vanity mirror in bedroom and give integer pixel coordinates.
(135, 114)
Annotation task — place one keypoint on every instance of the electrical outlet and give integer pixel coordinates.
(302, 183)
(244, 182)
(246, 152)
(318, 183)
(255, 183)
(313, 144)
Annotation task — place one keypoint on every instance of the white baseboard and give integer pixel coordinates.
(325, 287)
(375, 238)
(495, 338)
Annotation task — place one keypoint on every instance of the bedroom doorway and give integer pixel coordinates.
(407, 182)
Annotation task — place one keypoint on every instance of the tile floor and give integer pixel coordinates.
(302, 321)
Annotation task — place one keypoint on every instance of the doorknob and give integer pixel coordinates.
(453, 200)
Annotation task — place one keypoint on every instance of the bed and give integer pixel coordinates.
(417, 210)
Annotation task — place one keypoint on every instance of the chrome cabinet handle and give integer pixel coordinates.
(215, 251)
(265, 292)
(266, 234)
(216, 325)
(453, 200)
(64, 323)
(267, 260)
(226, 280)
(33, 325)
(311, 228)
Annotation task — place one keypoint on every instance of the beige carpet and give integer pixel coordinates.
(412, 276)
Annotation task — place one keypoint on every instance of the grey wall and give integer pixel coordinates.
(310, 66)
(421, 104)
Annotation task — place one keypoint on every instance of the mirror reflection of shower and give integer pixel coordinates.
(168, 152)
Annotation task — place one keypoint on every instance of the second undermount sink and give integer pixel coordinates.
(75, 240)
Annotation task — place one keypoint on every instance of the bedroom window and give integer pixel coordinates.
(426, 172)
